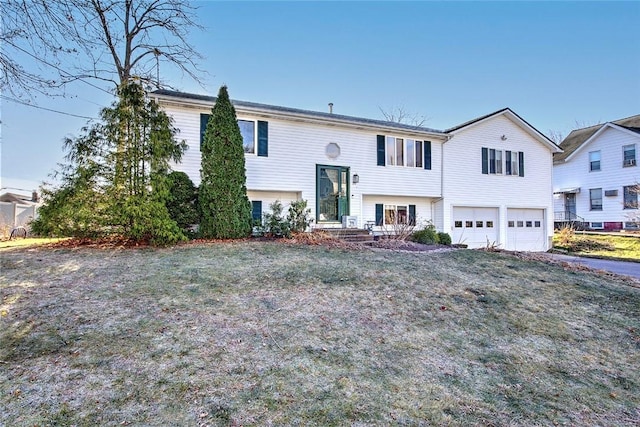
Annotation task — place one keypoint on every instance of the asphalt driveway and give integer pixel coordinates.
(625, 268)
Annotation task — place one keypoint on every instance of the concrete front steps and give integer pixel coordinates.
(351, 235)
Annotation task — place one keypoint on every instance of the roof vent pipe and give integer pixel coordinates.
(331, 108)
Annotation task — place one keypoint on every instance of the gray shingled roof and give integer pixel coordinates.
(577, 137)
(316, 114)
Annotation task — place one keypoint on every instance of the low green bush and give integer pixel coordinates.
(444, 238)
(427, 236)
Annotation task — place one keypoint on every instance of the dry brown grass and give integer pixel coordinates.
(261, 333)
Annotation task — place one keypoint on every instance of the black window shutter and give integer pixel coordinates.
(508, 163)
(263, 139)
(256, 210)
(412, 214)
(204, 119)
(521, 163)
(381, 153)
(379, 212)
(492, 161)
(485, 160)
(427, 155)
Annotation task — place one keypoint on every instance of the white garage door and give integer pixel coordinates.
(475, 227)
(526, 230)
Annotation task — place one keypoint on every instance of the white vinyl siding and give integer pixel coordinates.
(295, 148)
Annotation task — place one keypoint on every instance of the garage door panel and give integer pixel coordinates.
(526, 230)
(475, 226)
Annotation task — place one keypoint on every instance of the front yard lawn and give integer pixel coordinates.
(623, 247)
(261, 333)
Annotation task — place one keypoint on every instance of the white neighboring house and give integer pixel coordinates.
(597, 176)
(379, 175)
(497, 180)
(17, 210)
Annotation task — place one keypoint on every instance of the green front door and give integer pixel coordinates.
(332, 193)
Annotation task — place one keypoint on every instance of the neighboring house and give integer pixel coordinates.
(597, 176)
(17, 210)
(381, 175)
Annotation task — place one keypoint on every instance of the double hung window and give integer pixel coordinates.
(595, 199)
(594, 161)
(629, 155)
(631, 196)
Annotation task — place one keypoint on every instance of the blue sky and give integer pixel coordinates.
(553, 63)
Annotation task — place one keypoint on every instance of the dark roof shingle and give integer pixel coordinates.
(577, 137)
(317, 114)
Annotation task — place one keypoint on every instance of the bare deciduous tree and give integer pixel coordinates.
(105, 40)
(401, 115)
(555, 135)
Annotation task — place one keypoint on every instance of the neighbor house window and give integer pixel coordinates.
(596, 225)
(595, 199)
(629, 155)
(631, 196)
(248, 132)
(594, 161)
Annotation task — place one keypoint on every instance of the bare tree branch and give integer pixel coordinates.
(401, 115)
(555, 135)
(106, 40)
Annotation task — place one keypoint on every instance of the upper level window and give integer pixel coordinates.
(594, 161)
(404, 152)
(512, 163)
(255, 135)
(629, 155)
(248, 131)
(496, 161)
(631, 196)
(595, 199)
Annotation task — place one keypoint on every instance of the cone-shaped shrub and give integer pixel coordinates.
(225, 209)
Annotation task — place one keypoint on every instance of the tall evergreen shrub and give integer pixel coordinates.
(225, 208)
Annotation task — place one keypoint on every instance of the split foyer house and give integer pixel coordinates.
(596, 177)
(487, 181)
